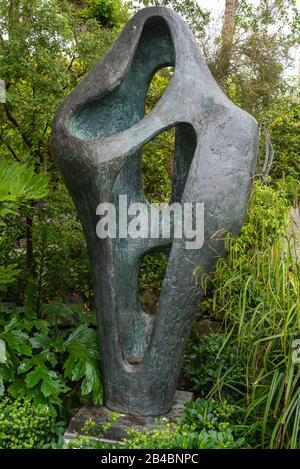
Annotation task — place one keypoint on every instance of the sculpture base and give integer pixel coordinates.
(118, 428)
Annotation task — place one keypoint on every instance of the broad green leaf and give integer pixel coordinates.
(25, 366)
(40, 341)
(18, 185)
(51, 383)
(18, 341)
(83, 361)
(35, 376)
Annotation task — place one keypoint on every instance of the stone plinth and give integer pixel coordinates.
(119, 428)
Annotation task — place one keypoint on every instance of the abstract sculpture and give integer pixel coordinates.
(98, 135)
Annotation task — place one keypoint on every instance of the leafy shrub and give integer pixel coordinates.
(206, 424)
(151, 275)
(212, 359)
(40, 363)
(60, 252)
(60, 260)
(19, 186)
(283, 121)
(292, 189)
(109, 13)
(165, 436)
(208, 414)
(257, 292)
(172, 436)
(25, 425)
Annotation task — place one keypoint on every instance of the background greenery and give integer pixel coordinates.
(238, 361)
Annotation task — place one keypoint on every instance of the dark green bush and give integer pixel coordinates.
(213, 359)
(151, 275)
(44, 363)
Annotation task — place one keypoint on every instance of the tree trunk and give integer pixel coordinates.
(222, 65)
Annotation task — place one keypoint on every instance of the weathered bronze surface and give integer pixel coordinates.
(98, 134)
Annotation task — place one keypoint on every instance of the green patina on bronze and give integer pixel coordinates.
(98, 135)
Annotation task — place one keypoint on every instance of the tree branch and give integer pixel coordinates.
(11, 150)
(17, 126)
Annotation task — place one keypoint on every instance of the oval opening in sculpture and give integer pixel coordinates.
(125, 105)
(157, 87)
(151, 275)
(157, 167)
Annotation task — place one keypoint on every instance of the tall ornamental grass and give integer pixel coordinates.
(257, 293)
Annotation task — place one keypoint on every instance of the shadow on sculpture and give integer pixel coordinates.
(98, 135)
